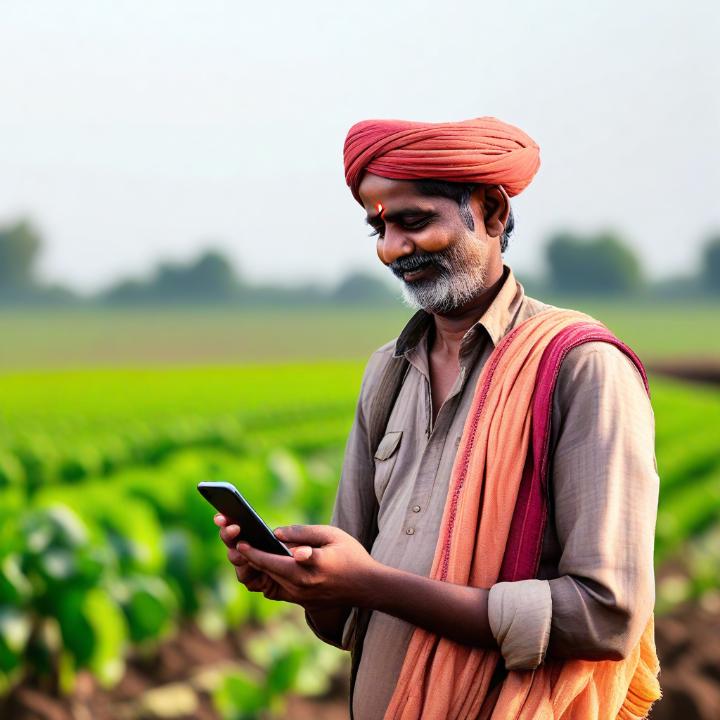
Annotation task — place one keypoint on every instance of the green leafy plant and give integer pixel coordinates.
(288, 659)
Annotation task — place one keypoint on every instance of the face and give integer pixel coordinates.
(425, 242)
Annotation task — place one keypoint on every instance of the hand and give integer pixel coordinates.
(254, 580)
(329, 568)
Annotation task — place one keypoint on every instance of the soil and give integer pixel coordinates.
(695, 370)
(176, 682)
(688, 643)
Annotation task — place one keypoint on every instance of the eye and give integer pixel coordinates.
(376, 232)
(417, 224)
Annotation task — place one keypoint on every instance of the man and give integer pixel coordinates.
(377, 579)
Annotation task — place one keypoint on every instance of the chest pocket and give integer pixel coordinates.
(385, 458)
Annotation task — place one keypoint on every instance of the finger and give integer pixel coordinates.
(276, 565)
(236, 557)
(302, 553)
(314, 535)
(256, 584)
(246, 574)
(229, 534)
(220, 520)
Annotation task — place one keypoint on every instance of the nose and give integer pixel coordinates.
(393, 245)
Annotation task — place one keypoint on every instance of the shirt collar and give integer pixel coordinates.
(496, 320)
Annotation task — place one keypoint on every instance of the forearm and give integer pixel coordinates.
(456, 612)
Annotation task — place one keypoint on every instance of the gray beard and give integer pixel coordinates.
(460, 276)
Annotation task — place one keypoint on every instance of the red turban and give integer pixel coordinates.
(483, 151)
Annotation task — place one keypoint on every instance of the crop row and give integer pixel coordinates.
(687, 419)
(37, 459)
(89, 572)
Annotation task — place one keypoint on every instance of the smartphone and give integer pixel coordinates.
(226, 498)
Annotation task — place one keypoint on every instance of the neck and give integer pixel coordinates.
(451, 328)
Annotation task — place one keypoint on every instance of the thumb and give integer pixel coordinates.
(313, 535)
(302, 553)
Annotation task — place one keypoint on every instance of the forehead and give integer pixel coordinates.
(374, 190)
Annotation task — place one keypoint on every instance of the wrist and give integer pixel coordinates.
(361, 593)
(378, 587)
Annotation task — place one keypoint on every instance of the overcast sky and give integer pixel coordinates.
(144, 129)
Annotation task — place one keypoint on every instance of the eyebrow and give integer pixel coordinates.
(400, 214)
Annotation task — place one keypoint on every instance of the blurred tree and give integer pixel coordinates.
(711, 264)
(20, 247)
(363, 289)
(212, 277)
(601, 264)
(209, 278)
(125, 292)
(282, 295)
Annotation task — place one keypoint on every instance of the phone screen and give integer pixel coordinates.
(226, 498)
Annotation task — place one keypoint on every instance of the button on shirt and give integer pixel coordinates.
(595, 587)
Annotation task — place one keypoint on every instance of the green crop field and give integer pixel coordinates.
(106, 548)
(105, 545)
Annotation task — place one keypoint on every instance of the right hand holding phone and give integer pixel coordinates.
(254, 580)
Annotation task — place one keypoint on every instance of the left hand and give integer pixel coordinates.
(329, 568)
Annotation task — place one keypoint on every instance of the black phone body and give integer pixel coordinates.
(226, 498)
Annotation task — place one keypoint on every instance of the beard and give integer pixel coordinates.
(460, 274)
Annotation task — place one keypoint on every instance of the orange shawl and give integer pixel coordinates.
(443, 680)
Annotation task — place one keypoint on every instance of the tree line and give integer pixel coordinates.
(208, 279)
(599, 264)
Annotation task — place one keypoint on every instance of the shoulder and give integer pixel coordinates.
(598, 377)
(599, 362)
(378, 361)
(530, 306)
(375, 369)
(594, 372)
(594, 361)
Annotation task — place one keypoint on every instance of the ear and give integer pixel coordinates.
(496, 210)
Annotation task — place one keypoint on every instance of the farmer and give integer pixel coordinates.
(490, 552)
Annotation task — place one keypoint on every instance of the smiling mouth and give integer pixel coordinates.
(418, 273)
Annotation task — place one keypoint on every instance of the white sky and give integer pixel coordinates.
(141, 129)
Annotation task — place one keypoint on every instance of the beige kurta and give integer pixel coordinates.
(595, 590)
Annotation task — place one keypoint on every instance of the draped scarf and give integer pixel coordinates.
(498, 496)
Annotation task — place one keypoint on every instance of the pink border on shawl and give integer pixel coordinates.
(522, 552)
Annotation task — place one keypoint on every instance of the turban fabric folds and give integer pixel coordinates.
(483, 150)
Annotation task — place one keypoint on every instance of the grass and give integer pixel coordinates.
(160, 338)
(144, 338)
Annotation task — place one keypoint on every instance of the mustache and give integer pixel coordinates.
(409, 263)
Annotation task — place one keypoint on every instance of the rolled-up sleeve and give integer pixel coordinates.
(520, 614)
(604, 492)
